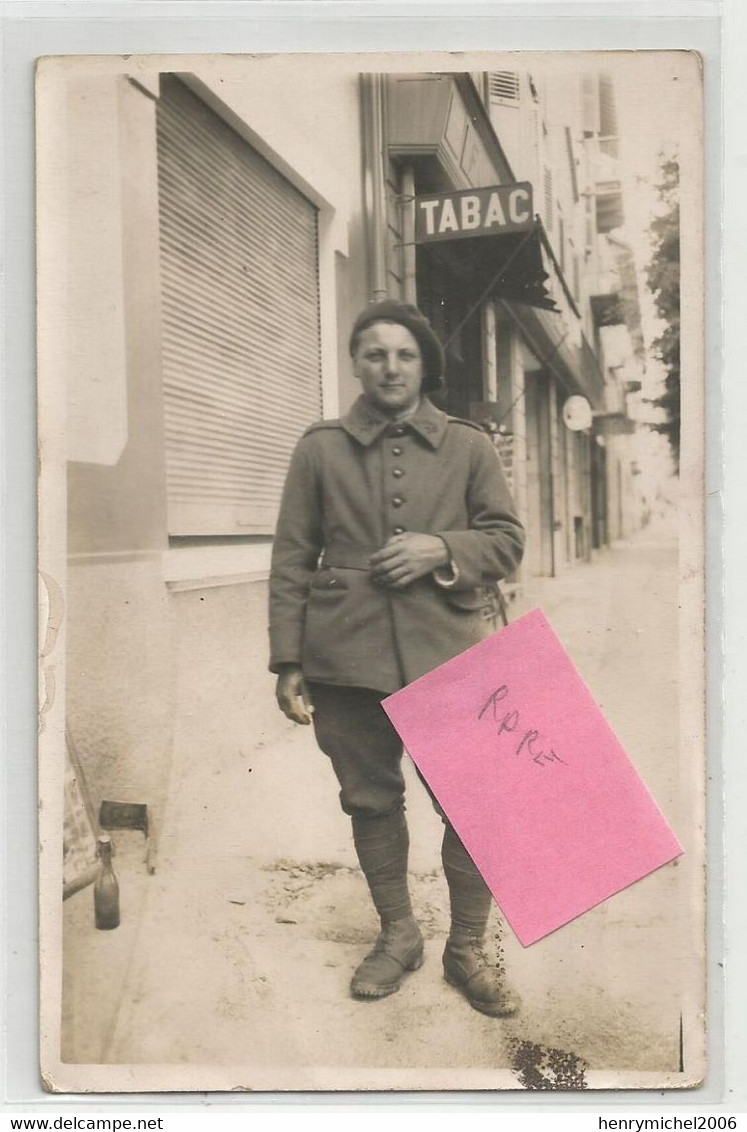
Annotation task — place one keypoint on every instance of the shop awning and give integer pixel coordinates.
(506, 265)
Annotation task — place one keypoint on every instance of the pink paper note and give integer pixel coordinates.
(532, 777)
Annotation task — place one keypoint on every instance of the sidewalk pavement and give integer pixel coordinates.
(257, 914)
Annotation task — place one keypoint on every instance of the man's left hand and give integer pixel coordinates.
(407, 557)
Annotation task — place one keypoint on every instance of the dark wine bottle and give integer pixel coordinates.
(106, 887)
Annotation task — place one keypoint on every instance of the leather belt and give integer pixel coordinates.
(348, 557)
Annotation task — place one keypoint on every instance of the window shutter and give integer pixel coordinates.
(548, 191)
(607, 109)
(590, 103)
(504, 88)
(240, 321)
(534, 149)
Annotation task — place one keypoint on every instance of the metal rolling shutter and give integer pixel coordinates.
(240, 321)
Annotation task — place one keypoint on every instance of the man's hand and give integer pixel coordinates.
(293, 696)
(407, 557)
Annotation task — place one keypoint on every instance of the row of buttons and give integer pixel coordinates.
(397, 450)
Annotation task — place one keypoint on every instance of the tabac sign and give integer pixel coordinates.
(474, 212)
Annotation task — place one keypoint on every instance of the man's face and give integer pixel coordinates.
(389, 366)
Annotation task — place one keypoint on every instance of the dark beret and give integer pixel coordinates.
(388, 310)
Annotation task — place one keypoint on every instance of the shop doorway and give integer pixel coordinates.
(539, 556)
(599, 517)
(442, 299)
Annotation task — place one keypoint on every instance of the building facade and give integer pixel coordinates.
(222, 231)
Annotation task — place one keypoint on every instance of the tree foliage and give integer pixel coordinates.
(663, 279)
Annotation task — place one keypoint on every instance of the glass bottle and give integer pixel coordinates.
(106, 887)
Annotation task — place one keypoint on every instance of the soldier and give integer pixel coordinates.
(395, 524)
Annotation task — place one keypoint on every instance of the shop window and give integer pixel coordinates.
(241, 359)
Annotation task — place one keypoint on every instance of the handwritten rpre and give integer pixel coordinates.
(532, 777)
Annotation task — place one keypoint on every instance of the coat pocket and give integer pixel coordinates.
(480, 599)
(328, 584)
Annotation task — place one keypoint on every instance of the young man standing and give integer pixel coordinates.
(395, 524)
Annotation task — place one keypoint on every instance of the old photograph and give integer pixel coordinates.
(347, 362)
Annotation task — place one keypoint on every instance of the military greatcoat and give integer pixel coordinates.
(352, 484)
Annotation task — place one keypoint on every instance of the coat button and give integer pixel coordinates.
(397, 472)
(397, 450)
(398, 531)
(398, 431)
(397, 501)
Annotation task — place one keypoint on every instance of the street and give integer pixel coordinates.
(257, 914)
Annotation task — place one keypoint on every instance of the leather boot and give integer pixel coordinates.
(480, 978)
(398, 949)
(382, 844)
(467, 964)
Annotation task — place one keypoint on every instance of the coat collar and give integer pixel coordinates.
(366, 424)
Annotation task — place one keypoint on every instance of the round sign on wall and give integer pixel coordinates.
(577, 413)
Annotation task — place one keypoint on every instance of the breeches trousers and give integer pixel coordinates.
(354, 731)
